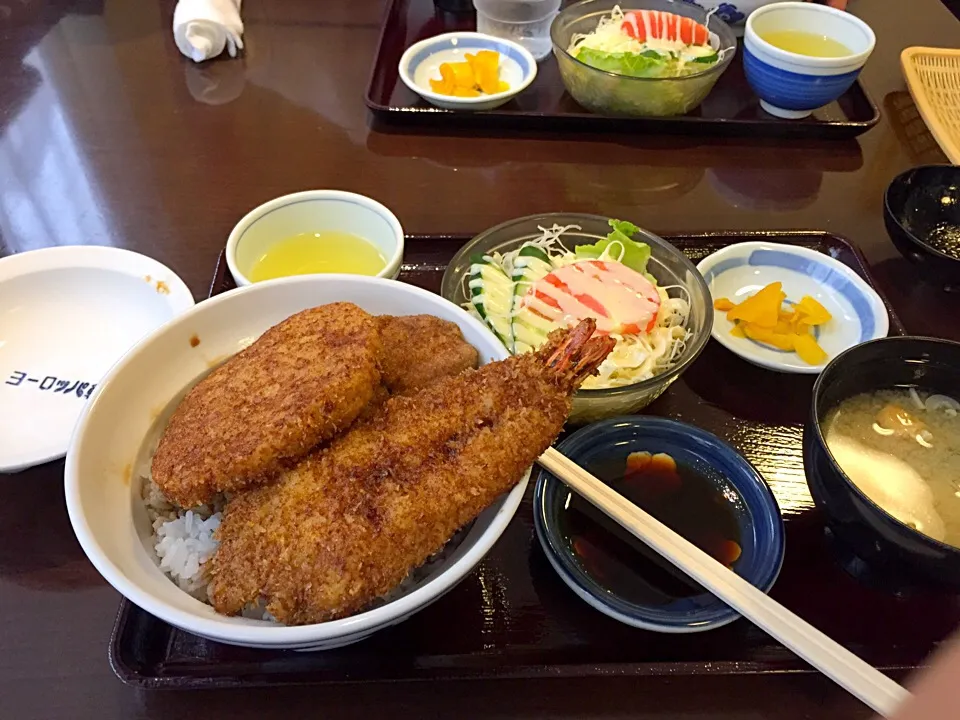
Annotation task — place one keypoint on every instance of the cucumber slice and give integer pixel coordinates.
(701, 54)
(699, 51)
(531, 264)
(706, 59)
(529, 330)
(491, 294)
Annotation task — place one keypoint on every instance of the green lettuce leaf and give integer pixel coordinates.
(648, 64)
(632, 64)
(635, 254)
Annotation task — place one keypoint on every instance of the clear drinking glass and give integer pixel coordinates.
(524, 21)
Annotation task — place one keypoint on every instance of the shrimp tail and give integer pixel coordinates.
(574, 355)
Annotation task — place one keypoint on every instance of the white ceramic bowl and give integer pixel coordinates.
(791, 85)
(314, 211)
(103, 500)
(739, 271)
(422, 61)
(67, 314)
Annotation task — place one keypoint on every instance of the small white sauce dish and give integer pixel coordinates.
(739, 271)
(421, 62)
(314, 211)
(791, 85)
(67, 314)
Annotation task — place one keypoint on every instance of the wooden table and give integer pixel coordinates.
(107, 136)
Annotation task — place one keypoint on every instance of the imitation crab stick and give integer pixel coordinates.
(643, 25)
(622, 301)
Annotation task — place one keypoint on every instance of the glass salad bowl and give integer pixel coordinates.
(667, 264)
(612, 93)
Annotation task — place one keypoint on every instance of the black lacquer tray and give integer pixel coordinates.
(514, 618)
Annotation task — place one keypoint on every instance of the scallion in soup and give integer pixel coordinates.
(901, 448)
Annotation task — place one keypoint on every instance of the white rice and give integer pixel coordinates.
(185, 540)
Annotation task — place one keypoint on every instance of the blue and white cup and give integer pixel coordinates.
(791, 85)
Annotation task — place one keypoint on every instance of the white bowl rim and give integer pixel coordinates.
(323, 194)
(87, 257)
(265, 635)
(428, 94)
(809, 60)
(882, 318)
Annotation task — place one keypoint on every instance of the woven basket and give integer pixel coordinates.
(933, 77)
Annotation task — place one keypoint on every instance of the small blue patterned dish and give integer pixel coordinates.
(732, 13)
(738, 271)
(421, 63)
(752, 504)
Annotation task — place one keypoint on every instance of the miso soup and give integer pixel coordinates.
(901, 448)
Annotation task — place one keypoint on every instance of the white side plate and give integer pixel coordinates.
(67, 314)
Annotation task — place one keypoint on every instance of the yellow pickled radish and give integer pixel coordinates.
(447, 83)
(762, 309)
(809, 350)
(478, 74)
(764, 319)
(463, 76)
(783, 341)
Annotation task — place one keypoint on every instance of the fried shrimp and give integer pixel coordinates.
(350, 522)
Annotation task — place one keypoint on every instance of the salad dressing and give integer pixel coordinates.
(606, 291)
(526, 293)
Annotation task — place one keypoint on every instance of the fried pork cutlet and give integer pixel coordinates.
(420, 349)
(349, 523)
(302, 382)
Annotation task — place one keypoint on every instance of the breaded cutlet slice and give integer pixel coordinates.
(349, 523)
(418, 350)
(299, 384)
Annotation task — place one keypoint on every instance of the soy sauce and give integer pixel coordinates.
(688, 502)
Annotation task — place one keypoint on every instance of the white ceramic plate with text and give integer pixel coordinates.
(67, 314)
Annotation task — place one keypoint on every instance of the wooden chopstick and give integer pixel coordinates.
(860, 679)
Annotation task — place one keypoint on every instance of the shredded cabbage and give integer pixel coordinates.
(634, 358)
(611, 49)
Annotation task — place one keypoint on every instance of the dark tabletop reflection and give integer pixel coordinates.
(40, 550)
(922, 299)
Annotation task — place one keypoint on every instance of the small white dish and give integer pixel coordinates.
(739, 271)
(102, 482)
(314, 211)
(67, 314)
(422, 61)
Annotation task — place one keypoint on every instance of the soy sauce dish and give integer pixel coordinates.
(688, 479)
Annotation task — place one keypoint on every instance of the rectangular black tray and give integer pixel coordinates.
(514, 618)
(731, 108)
